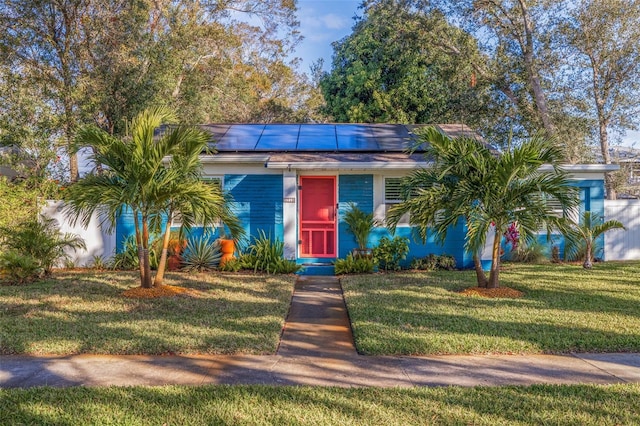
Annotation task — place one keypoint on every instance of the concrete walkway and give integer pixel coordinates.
(317, 349)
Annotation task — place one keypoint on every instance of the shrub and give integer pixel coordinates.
(232, 265)
(128, 259)
(360, 224)
(266, 255)
(20, 268)
(201, 254)
(41, 240)
(354, 265)
(529, 252)
(433, 262)
(390, 252)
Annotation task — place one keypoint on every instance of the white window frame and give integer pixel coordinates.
(389, 202)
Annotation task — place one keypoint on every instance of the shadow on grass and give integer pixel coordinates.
(86, 313)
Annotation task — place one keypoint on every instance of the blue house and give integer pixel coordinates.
(295, 182)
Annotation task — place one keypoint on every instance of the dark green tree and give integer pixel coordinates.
(393, 68)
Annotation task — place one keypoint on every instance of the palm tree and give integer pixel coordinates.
(490, 191)
(585, 233)
(136, 176)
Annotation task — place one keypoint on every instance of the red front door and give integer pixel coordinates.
(318, 216)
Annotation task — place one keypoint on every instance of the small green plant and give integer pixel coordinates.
(529, 252)
(232, 265)
(582, 237)
(433, 262)
(201, 254)
(267, 255)
(41, 239)
(360, 224)
(20, 268)
(390, 252)
(98, 263)
(354, 265)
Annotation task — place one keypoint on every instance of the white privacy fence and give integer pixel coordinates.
(97, 240)
(620, 244)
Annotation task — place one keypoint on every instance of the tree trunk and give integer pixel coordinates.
(136, 224)
(481, 278)
(162, 264)
(532, 71)
(146, 278)
(587, 257)
(603, 123)
(494, 274)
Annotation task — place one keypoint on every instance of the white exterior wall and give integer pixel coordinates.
(620, 244)
(98, 242)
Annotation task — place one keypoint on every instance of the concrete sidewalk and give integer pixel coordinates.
(317, 349)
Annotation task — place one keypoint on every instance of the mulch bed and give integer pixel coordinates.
(161, 291)
(502, 292)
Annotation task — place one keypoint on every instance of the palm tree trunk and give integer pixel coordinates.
(481, 278)
(494, 275)
(587, 257)
(136, 224)
(162, 265)
(146, 277)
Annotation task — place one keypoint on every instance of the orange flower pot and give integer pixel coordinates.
(227, 247)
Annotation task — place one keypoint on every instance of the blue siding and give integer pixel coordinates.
(257, 200)
(359, 190)
(356, 189)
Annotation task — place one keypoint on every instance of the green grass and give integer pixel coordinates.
(86, 313)
(258, 405)
(565, 309)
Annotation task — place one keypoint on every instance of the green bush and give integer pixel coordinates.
(201, 254)
(532, 252)
(41, 240)
(433, 262)
(127, 259)
(390, 252)
(354, 265)
(20, 268)
(360, 224)
(267, 255)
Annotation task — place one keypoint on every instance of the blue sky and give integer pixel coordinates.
(321, 23)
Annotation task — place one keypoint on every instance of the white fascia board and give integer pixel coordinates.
(235, 158)
(583, 168)
(378, 165)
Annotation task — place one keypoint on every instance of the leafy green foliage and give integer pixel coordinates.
(41, 240)
(433, 262)
(19, 268)
(201, 254)
(19, 203)
(529, 252)
(267, 255)
(393, 69)
(127, 258)
(360, 224)
(354, 265)
(467, 182)
(582, 237)
(390, 252)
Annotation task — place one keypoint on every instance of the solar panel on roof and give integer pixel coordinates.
(278, 137)
(317, 137)
(355, 137)
(241, 137)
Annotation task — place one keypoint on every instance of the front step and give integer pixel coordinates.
(317, 269)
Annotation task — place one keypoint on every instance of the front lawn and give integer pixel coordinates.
(564, 309)
(85, 312)
(261, 405)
